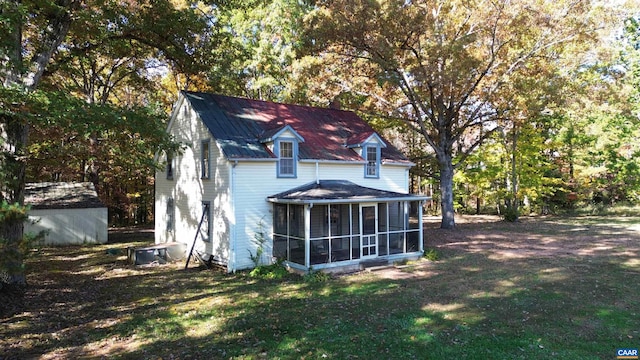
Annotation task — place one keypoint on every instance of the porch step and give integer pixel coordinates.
(376, 264)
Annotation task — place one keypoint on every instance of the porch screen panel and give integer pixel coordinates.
(413, 241)
(339, 219)
(396, 243)
(413, 234)
(280, 230)
(319, 221)
(396, 216)
(319, 252)
(414, 215)
(355, 219)
(355, 231)
(296, 234)
(382, 217)
(383, 248)
(296, 221)
(340, 229)
(288, 229)
(280, 247)
(296, 250)
(280, 219)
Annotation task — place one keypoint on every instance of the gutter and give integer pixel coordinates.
(347, 201)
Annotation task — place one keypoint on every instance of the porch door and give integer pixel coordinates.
(369, 242)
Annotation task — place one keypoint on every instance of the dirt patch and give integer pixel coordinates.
(530, 238)
(538, 237)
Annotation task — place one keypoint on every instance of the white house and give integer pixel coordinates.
(70, 213)
(318, 185)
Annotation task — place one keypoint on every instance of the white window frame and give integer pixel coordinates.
(171, 214)
(293, 158)
(205, 159)
(375, 165)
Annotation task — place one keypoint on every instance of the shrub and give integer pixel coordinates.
(510, 214)
(270, 272)
(259, 239)
(431, 254)
(316, 276)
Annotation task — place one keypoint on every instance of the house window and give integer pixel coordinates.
(372, 167)
(286, 158)
(171, 211)
(205, 227)
(169, 168)
(204, 159)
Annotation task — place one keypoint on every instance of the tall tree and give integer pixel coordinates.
(35, 32)
(23, 63)
(264, 42)
(449, 60)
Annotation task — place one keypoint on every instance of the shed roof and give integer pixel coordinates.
(62, 195)
(331, 191)
(239, 125)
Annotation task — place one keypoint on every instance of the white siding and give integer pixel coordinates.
(255, 181)
(70, 226)
(188, 190)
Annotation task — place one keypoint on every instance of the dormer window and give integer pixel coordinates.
(368, 146)
(372, 157)
(283, 141)
(287, 154)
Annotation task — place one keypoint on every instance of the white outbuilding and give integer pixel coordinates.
(70, 213)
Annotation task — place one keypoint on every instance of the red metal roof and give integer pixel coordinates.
(239, 124)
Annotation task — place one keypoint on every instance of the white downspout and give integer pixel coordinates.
(317, 173)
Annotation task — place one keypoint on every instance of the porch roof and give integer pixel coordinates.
(339, 191)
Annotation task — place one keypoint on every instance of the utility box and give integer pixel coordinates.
(161, 253)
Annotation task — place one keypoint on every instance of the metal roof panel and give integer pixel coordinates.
(238, 125)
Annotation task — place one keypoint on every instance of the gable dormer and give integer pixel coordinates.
(368, 146)
(283, 142)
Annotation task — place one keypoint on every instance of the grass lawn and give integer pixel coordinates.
(545, 288)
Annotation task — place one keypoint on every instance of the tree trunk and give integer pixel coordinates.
(12, 191)
(12, 232)
(17, 73)
(446, 193)
(514, 174)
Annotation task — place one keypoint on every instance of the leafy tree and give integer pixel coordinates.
(597, 129)
(258, 59)
(38, 34)
(449, 60)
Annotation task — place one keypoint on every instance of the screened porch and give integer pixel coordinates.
(332, 228)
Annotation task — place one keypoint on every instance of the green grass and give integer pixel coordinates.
(468, 304)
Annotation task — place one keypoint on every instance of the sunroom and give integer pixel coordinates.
(334, 223)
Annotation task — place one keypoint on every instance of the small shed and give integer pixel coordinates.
(71, 213)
